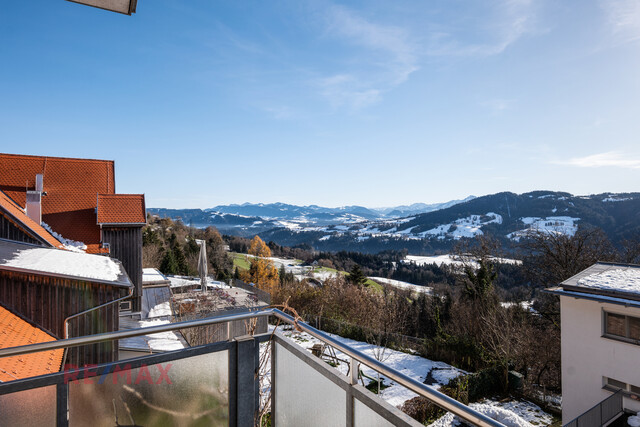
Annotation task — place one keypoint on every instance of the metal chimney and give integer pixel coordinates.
(39, 183)
(34, 201)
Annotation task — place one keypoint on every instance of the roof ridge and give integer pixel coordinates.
(33, 156)
(120, 194)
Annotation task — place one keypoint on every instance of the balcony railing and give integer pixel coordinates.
(601, 414)
(213, 384)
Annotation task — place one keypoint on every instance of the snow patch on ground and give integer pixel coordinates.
(455, 260)
(464, 227)
(525, 305)
(549, 225)
(403, 285)
(510, 413)
(616, 199)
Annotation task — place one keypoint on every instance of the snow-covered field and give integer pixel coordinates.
(464, 227)
(362, 229)
(510, 412)
(403, 285)
(549, 225)
(455, 260)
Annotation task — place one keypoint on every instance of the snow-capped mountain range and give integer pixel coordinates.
(250, 217)
(507, 216)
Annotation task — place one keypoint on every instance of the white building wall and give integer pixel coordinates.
(587, 356)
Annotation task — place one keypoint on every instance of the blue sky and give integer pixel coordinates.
(376, 103)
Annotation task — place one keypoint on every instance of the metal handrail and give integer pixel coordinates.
(440, 399)
(445, 402)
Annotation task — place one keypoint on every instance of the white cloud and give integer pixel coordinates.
(608, 159)
(386, 58)
(511, 20)
(390, 45)
(623, 19)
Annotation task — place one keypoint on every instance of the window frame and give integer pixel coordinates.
(635, 395)
(627, 337)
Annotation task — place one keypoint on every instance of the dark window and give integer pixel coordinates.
(634, 328)
(616, 384)
(615, 325)
(635, 390)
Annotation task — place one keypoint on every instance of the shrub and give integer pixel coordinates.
(476, 386)
(421, 409)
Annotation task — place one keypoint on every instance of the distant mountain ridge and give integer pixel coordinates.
(251, 218)
(287, 211)
(417, 208)
(506, 216)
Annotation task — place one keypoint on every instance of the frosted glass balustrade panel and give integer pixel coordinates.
(364, 416)
(35, 407)
(193, 391)
(303, 396)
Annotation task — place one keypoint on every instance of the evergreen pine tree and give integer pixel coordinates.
(356, 276)
(168, 264)
(181, 261)
(480, 283)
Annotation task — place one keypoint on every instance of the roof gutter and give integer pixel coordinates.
(592, 297)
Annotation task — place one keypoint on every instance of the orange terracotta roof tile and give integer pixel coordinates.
(22, 221)
(121, 209)
(14, 331)
(71, 187)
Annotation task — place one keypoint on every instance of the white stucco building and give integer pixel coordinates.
(600, 315)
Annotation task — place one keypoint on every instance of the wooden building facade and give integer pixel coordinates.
(48, 298)
(121, 218)
(125, 245)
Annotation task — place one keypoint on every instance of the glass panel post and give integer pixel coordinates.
(62, 405)
(247, 380)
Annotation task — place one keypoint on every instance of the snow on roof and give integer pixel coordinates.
(607, 278)
(60, 262)
(618, 279)
(153, 276)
